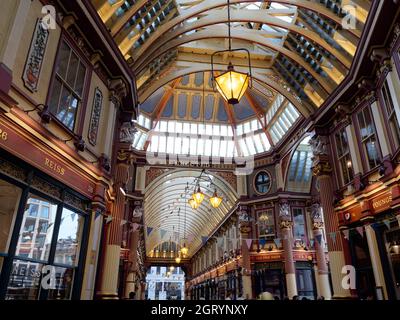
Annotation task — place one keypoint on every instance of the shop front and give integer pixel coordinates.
(45, 219)
(270, 277)
(372, 229)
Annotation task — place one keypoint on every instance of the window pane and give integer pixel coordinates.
(63, 287)
(63, 59)
(80, 79)
(266, 224)
(72, 70)
(36, 233)
(299, 225)
(9, 200)
(24, 281)
(69, 238)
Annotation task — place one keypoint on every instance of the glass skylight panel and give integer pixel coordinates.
(163, 126)
(154, 143)
(258, 144)
(200, 147)
(170, 144)
(223, 148)
(246, 127)
(171, 126)
(224, 130)
(239, 129)
(193, 146)
(215, 131)
(250, 145)
(178, 145)
(215, 147)
(265, 142)
(186, 127)
(230, 147)
(185, 145)
(201, 129)
(141, 141)
(193, 128)
(207, 147)
(179, 127)
(243, 147)
(162, 144)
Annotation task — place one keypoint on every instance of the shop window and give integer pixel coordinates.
(266, 224)
(24, 283)
(391, 114)
(344, 158)
(63, 284)
(69, 238)
(36, 233)
(305, 283)
(67, 86)
(368, 138)
(9, 200)
(299, 225)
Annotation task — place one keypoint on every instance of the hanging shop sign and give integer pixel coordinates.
(35, 57)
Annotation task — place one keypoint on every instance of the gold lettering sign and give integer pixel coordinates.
(3, 135)
(383, 202)
(54, 166)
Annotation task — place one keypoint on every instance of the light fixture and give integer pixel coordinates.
(215, 200)
(193, 203)
(349, 164)
(178, 259)
(232, 84)
(184, 250)
(171, 268)
(198, 196)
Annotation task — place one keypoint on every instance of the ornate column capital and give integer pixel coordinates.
(285, 219)
(316, 216)
(244, 220)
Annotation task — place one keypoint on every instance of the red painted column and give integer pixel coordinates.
(285, 223)
(322, 276)
(322, 170)
(110, 268)
(245, 232)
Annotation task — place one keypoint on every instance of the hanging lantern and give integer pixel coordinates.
(194, 204)
(232, 84)
(178, 259)
(198, 196)
(184, 250)
(215, 200)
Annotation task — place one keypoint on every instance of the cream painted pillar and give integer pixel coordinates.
(110, 126)
(92, 257)
(380, 124)
(12, 41)
(376, 260)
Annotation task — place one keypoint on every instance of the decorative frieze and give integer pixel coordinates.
(95, 116)
(35, 57)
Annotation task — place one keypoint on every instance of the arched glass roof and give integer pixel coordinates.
(301, 50)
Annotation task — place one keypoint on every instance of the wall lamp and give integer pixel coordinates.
(79, 143)
(44, 113)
